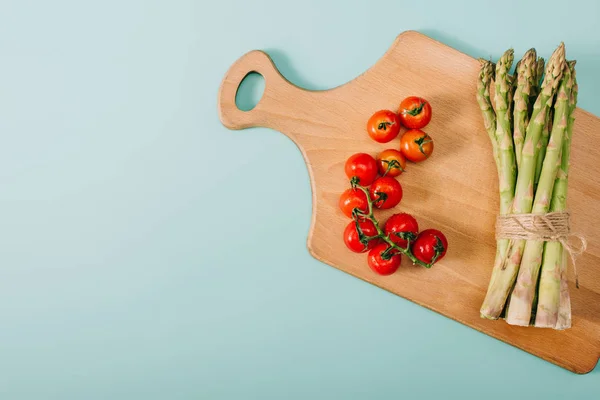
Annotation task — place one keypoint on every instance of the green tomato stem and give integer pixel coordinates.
(358, 214)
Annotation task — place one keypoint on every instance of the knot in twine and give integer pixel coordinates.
(549, 227)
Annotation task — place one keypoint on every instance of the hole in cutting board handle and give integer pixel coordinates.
(250, 91)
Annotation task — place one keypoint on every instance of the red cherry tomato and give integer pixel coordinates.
(429, 243)
(352, 239)
(351, 199)
(383, 126)
(391, 162)
(400, 227)
(385, 192)
(414, 112)
(362, 166)
(384, 262)
(416, 145)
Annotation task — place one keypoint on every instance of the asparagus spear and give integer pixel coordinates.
(540, 150)
(526, 73)
(513, 79)
(504, 278)
(506, 155)
(541, 64)
(504, 85)
(538, 74)
(564, 305)
(554, 305)
(542, 145)
(521, 301)
(486, 75)
(537, 81)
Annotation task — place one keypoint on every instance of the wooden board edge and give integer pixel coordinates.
(571, 368)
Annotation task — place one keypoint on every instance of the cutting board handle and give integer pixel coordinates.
(269, 109)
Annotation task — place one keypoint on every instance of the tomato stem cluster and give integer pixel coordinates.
(391, 165)
(417, 110)
(421, 141)
(359, 215)
(383, 125)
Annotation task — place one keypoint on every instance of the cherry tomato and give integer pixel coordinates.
(429, 243)
(385, 192)
(383, 126)
(362, 166)
(401, 227)
(416, 145)
(414, 112)
(384, 264)
(391, 162)
(351, 237)
(351, 199)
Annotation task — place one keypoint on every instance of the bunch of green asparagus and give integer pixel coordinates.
(530, 124)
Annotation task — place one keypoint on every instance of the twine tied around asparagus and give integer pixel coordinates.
(549, 227)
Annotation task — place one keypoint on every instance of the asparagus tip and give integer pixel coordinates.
(554, 69)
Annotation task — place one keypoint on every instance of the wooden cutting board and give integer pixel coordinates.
(456, 190)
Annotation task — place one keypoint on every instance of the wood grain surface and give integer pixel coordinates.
(456, 190)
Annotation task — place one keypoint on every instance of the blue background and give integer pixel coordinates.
(146, 252)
